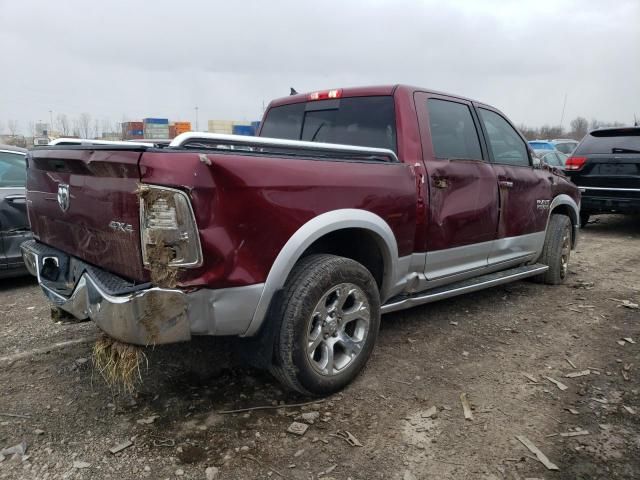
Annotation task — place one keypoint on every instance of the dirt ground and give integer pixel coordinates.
(481, 344)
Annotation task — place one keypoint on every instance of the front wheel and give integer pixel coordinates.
(329, 317)
(557, 250)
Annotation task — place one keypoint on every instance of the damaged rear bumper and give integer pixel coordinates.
(138, 314)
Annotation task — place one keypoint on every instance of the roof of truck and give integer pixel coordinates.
(366, 91)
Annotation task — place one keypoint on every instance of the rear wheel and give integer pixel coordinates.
(330, 315)
(557, 250)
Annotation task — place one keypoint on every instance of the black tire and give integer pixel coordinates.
(584, 219)
(296, 312)
(557, 250)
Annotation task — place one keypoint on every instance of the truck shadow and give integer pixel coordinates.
(615, 225)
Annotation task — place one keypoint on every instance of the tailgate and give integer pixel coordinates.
(84, 202)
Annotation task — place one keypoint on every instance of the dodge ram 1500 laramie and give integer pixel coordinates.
(350, 203)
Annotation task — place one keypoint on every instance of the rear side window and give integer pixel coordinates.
(506, 145)
(13, 171)
(453, 133)
(618, 140)
(360, 121)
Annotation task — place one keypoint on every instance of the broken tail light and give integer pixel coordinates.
(575, 163)
(168, 230)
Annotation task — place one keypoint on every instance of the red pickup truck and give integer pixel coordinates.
(349, 204)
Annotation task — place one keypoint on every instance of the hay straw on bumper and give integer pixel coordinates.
(118, 363)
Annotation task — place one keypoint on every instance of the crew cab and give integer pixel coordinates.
(350, 203)
(606, 168)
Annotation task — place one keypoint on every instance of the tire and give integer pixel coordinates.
(557, 250)
(584, 219)
(317, 350)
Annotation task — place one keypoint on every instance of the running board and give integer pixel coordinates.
(465, 286)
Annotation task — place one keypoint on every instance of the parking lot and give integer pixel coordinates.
(500, 347)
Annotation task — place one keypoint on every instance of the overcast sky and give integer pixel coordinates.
(134, 59)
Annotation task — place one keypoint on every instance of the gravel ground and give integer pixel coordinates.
(500, 347)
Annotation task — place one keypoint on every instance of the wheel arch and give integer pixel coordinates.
(565, 205)
(312, 233)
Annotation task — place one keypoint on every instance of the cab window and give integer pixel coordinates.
(506, 146)
(453, 133)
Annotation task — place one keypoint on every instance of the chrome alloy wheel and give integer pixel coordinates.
(338, 328)
(565, 252)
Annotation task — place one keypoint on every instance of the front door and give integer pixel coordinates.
(525, 191)
(462, 187)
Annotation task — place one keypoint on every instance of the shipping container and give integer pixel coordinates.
(158, 121)
(220, 126)
(247, 130)
(134, 132)
(256, 125)
(172, 131)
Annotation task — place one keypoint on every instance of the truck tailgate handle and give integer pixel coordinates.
(505, 183)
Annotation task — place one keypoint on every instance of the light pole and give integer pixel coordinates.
(50, 121)
(197, 130)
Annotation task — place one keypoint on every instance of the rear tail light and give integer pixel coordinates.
(575, 163)
(325, 95)
(168, 229)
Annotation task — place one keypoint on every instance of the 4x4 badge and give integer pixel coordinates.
(63, 196)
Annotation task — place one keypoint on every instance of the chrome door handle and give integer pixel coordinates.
(505, 183)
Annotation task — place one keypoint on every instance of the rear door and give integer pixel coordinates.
(14, 226)
(525, 191)
(462, 186)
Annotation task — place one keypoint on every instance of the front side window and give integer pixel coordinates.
(506, 145)
(13, 171)
(453, 133)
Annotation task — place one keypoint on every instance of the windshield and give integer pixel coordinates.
(361, 121)
(566, 147)
(13, 171)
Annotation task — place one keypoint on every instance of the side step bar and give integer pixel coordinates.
(465, 286)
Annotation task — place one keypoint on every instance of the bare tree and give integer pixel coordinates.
(1, 127)
(83, 125)
(96, 129)
(579, 127)
(550, 132)
(63, 125)
(31, 128)
(13, 126)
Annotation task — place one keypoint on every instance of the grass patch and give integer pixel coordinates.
(118, 363)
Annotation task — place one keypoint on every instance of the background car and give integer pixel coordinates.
(14, 224)
(552, 157)
(541, 145)
(565, 145)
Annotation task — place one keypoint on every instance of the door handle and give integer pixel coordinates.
(505, 183)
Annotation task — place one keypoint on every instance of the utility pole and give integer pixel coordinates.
(563, 106)
(51, 122)
(197, 129)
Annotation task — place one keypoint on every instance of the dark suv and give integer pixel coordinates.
(606, 168)
(14, 225)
